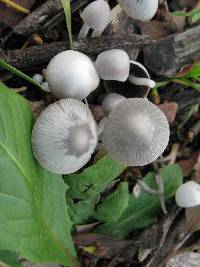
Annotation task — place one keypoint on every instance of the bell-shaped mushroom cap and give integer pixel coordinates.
(64, 136)
(136, 132)
(188, 195)
(113, 65)
(111, 100)
(142, 10)
(71, 74)
(96, 15)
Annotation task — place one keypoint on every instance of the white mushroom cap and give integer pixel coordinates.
(142, 10)
(96, 15)
(64, 136)
(111, 100)
(113, 65)
(188, 195)
(71, 74)
(136, 132)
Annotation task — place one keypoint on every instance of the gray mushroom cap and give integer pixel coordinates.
(142, 10)
(71, 74)
(64, 136)
(136, 132)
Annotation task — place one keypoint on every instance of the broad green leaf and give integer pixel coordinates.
(9, 259)
(114, 205)
(94, 179)
(81, 211)
(67, 9)
(87, 186)
(17, 72)
(142, 211)
(34, 219)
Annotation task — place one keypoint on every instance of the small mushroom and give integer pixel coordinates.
(136, 132)
(188, 195)
(142, 10)
(96, 16)
(71, 74)
(64, 136)
(111, 100)
(38, 77)
(113, 65)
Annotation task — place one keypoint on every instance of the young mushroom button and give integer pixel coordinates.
(188, 195)
(113, 65)
(95, 16)
(71, 74)
(64, 136)
(111, 100)
(136, 132)
(142, 10)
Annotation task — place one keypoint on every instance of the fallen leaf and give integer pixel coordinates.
(193, 218)
(170, 110)
(187, 165)
(155, 29)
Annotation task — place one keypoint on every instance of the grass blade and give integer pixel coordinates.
(17, 72)
(67, 10)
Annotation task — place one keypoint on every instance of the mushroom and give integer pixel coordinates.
(96, 16)
(136, 132)
(113, 65)
(142, 10)
(188, 195)
(111, 100)
(64, 136)
(71, 74)
(38, 78)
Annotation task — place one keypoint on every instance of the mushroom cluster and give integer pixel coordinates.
(97, 15)
(134, 131)
(65, 135)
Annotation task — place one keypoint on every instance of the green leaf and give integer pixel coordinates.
(67, 9)
(142, 211)
(9, 259)
(17, 72)
(34, 218)
(114, 205)
(88, 185)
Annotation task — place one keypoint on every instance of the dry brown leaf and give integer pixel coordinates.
(187, 165)
(170, 110)
(155, 29)
(193, 218)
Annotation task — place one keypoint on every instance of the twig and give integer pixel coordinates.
(42, 14)
(40, 55)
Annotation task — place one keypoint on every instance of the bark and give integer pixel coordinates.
(166, 56)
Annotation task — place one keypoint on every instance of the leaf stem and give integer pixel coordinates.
(15, 6)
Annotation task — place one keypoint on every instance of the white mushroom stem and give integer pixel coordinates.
(141, 81)
(83, 32)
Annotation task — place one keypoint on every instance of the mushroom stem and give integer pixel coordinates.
(83, 32)
(113, 15)
(160, 184)
(141, 81)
